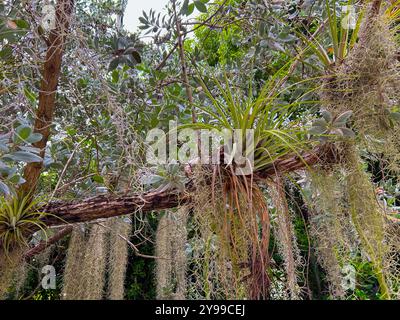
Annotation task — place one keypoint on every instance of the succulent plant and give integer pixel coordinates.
(329, 125)
(166, 177)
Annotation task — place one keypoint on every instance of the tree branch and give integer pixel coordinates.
(45, 244)
(107, 206)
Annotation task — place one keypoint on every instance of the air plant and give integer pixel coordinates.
(340, 37)
(328, 126)
(166, 177)
(274, 135)
(243, 220)
(18, 219)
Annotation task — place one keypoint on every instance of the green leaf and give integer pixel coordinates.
(4, 147)
(114, 64)
(25, 156)
(34, 137)
(17, 179)
(71, 131)
(317, 130)
(98, 179)
(143, 20)
(30, 149)
(29, 95)
(190, 9)
(200, 6)
(135, 54)
(22, 133)
(327, 116)
(153, 180)
(6, 171)
(4, 188)
(185, 7)
(395, 116)
(6, 53)
(320, 123)
(22, 24)
(346, 132)
(115, 76)
(342, 119)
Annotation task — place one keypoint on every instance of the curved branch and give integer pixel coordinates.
(107, 206)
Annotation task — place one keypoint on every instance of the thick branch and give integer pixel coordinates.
(107, 206)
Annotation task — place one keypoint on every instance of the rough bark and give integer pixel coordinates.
(48, 88)
(107, 206)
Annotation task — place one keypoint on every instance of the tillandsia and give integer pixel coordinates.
(243, 150)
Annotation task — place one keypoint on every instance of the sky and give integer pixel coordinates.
(134, 11)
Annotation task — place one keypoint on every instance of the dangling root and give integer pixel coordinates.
(212, 271)
(233, 218)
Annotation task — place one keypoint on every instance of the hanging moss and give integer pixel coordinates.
(72, 279)
(12, 266)
(368, 83)
(330, 227)
(171, 263)
(94, 265)
(285, 236)
(118, 257)
(368, 218)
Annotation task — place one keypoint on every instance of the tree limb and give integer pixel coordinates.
(107, 206)
(45, 244)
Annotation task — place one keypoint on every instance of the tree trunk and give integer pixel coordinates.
(48, 89)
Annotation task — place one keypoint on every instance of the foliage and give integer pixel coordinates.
(18, 219)
(16, 147)
(287, 69)
(274, 135)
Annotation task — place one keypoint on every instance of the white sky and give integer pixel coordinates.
(134, 11)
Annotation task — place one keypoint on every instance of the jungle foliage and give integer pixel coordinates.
(317, 81)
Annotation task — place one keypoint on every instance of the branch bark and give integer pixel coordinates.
(48, 89)
(107, 206)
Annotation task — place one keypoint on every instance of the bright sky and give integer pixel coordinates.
(134, 11)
